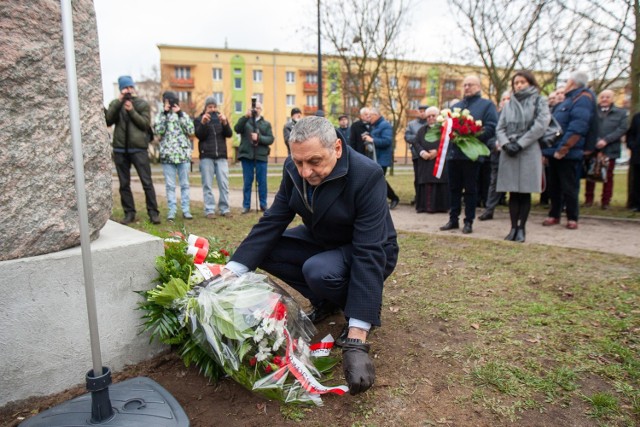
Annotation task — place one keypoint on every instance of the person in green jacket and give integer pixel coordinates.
(132, 119)
(255, 138)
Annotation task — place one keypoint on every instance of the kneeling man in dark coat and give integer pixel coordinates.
(346, 248)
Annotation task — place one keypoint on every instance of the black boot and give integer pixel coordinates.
(520, 234)
(512, 234)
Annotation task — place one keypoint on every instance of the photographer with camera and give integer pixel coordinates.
(174, 128)
(212, 130)
(132, 119)
(255, 138)
(296, 115)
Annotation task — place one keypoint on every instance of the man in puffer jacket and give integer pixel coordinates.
(174, 128)
(212, 130)
(574, 114)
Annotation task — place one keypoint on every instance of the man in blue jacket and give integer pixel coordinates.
(346, 247)
(463, 172)
(381, 137)
(574, 114)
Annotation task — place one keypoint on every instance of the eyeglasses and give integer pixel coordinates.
(431, 115)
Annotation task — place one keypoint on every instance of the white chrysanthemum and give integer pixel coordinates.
(277, 343)
(259, 335)
(269, 325)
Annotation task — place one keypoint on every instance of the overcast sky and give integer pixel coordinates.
(130, 30)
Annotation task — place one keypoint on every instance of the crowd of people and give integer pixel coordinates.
(593, 129)
(520, 162)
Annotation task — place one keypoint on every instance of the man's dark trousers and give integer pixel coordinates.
(463, 174)
(140, 160)
(317, 273)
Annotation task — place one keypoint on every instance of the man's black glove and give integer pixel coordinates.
(511, 148)
(358, 367)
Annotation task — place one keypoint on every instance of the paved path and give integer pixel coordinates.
(598, 234)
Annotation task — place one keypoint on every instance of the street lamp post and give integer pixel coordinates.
(319, 63)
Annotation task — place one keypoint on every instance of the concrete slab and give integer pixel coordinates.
(44, 332)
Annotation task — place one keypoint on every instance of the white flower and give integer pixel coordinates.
(440, 119)
(258, 335)
(277, 343)
(479, 122)
(466, 112)
(457, 110)
(269, 325)
(445, 112)
(455, 114)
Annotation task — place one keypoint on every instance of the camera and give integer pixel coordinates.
(126, 97)
(254, 111)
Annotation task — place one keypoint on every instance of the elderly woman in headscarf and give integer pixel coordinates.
(522, 122)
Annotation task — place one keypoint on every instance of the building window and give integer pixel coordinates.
(237, 83)
(433, 88)
(257, 76)
(414, 104)
(352, 102)
(218, 97)
(312, 100)
(184, 96)
(334, 87)
(259, 97)
(237, 71)
(238, 107)
(376, 102)
(393, 83)
(449, 85)
(377, 83)
(290, 77)
(334, 109)
(291, 100)
(183, 72)
(394, 104)
(312, 78)
(414, 83)
(217, 74)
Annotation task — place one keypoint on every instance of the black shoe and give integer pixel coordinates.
(322, 311)
(343, 336)
(154, 218)
(451, 225)
(520, 235)
(246, 211)
(511, 235)
(394, 203)
(128, 218)
(467, 229)
(486, 215)
(263, 208)
(413, 202)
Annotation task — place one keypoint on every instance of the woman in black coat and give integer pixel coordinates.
(432, 194)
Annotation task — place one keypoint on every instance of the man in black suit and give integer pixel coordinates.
(347, 246)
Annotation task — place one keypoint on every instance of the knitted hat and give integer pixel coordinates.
(125, 81)
(171, 97)
(210, 101)
(320, 113)
(295, 110)
(341, 116)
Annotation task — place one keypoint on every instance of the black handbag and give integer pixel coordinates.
(551, 135)
(595, 167)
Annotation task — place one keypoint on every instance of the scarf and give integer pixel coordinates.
(520, 110)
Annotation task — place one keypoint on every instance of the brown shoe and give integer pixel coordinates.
(550, 221)
(572, 225)
(211, 216)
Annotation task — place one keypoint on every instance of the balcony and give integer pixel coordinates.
(417, 92)
(450, 94)
(310, 87)
(309, 110)
(181, 83)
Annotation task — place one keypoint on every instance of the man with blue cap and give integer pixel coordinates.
(131, 136)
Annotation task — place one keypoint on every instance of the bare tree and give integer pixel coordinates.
(364, 35)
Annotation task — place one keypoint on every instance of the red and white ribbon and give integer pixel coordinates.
(322, 348)
(444, 146)
(198, 248)
(302, 374)
(208, 270)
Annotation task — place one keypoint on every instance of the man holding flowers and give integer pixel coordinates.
(346, 247)
(463, 172)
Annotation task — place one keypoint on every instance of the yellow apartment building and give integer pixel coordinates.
(283, 80)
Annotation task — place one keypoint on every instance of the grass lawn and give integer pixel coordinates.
(487, 333)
